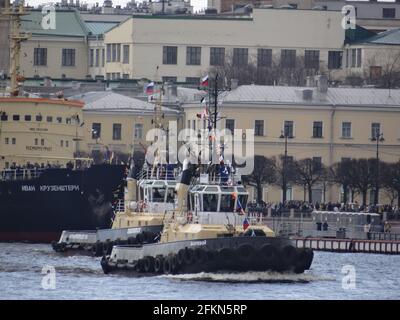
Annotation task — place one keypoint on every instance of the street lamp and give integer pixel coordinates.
(377, 138)
(284, 135)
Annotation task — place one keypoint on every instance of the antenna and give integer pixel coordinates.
(16, 37)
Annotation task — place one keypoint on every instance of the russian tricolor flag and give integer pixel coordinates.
(150, 88)
(245, 224)
(204, 81)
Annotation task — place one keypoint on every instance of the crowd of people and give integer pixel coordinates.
(16, 171)
(279, 207)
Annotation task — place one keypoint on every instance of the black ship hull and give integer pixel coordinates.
(233, 254)
(38, 210)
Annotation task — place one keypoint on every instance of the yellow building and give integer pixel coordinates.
(37, 130)
(183, 48)
(327, 124)
(118, 122)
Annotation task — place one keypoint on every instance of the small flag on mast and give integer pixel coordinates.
(150, 88)
(245, 224)
(204, 81)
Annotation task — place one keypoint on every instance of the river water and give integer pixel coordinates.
(332, 276)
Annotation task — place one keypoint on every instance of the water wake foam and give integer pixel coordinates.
(250, 277)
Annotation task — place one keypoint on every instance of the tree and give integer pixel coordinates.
(262, 174)
(273, 74)
(309, 173)
(281, 171)
(363, 176)
(390, 173)
(383, 69)
(340, 174)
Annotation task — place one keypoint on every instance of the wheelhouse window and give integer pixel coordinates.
(158, 194)
(16, 117)
(210, 202)
(227, 203)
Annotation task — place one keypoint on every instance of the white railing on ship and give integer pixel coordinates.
(21, 174)
(120, 206)
(157, 173)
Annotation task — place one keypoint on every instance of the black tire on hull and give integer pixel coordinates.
(149, 264)
(301, 261)
(200, 255)
(167, 265)
(245, 252)
(310, 256)
(181, 256)
(188, 257)
(104, 265)
(158, 265)
(269, 256)
(288, 257)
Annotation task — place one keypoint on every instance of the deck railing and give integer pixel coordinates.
(21, 174)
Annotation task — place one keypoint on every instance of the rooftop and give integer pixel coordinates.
(68, 24)
(108, 101)
(389, 37)
(341, 96)
(294, 95)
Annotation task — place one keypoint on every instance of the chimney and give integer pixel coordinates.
(322, 83)
(234, 84)
(307, 94)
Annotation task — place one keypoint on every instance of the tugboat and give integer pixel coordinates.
(196, 240)
(209, 230)
(138, 218)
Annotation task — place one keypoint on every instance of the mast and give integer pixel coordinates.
(16, 37)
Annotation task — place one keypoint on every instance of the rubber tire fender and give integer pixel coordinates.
(158, 264)
(289, 256)
(188, 256)
(200, 255)
(149, 264)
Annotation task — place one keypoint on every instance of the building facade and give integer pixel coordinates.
(184, 48)
(42, 131)
(326, 125)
